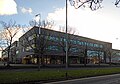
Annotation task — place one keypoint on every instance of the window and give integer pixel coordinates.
(91, 44)
(32, 37)
(74, 49)
(95, 53)
(52, 38)
(28, 48)
(101, 46)
(82, 43)
(52, 48)
(73, 41)
(117, 53)
(85, 43)
(23, 42)
(96, 45)
(33, 45)
(23, 49)
(17, 52)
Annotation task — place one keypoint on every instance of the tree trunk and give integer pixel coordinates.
(38, 62)
(110, 60)
(42, 61)
(8, 63)
(85, 57)
(99, 59)
(104, 57)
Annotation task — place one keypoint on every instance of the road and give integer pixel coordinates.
(108, 79)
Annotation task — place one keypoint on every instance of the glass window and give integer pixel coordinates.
(17, 52)
(101, 46)
(96, 45)
(117, 53)
(28, 48)
(64, 40)
(52, 38)
(30, 37)
(95, 53)
(52, 48)
(82, 43)
(34, 35)
(74, 49)
(33, 45)
(23, 49)
(73, 41)
(91, 44)
(57, 39)
(85, 43)
(78, 42)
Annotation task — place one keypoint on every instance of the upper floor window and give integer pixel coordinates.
(74, 49)
(17, 52)
(101, 46)
(23, 49)
(52, 47)
(32, 37)
(96, 45)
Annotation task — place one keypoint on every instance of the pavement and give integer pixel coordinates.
(107, 79)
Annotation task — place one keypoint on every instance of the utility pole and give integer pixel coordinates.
(66, 41)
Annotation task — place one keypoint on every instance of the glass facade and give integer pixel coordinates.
(92, 56)
(80, 50)
(75, 42)
(116, 57)
(95, 57)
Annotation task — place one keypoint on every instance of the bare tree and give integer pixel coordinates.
(2, 44)
(47, 24)
(44, 24)
(9, 32)
(92, 4)
(39, 42)
(117, 3)
(62, 39)
(83, 53)
(109, 55)
(35, 43)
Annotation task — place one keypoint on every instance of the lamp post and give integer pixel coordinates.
(66, 40)
(39, 32)
(74, 2)
(39, 25)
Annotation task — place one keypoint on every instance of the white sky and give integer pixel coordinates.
(102, 24)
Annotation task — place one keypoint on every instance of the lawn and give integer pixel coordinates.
(48, 75)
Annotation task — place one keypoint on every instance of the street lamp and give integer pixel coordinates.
(38, 17)
(66, 41)
(39, 32)
(73, 4)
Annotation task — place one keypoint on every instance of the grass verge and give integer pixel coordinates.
(47, 75)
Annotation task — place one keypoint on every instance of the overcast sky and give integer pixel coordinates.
(102, 24)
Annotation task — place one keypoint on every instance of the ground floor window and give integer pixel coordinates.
(91, 58)
(95, 57)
